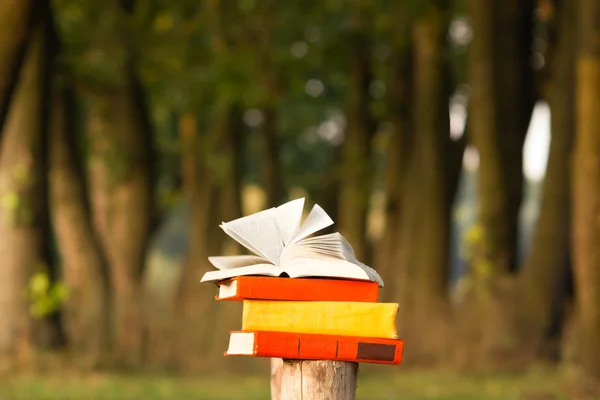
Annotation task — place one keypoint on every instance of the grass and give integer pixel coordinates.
(404, 385)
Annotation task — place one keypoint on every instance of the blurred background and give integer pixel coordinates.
(455, 143)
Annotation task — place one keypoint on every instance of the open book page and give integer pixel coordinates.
(240, 239)
(324, 245)
(327, 248)
(258, 269)
(288, 217)
(330, 267)
(260, 231)
(316, 220)
(282, 244)
(229, 262)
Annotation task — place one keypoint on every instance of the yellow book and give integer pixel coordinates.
(364, 319)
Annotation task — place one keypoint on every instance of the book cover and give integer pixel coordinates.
(301, 289)
(362, 319)
(301, 346)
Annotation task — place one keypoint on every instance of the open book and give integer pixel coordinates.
(282, 245)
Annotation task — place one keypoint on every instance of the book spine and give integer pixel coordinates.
(322, 347)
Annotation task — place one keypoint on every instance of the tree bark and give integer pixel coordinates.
(485, 135)
(548, 257)
(121, 200)
(85, 311)
(502, 98)
(22, 193)
(225, 205)
(318, 380)
(355, 190)
(192, 303)
(424, 240)
(271, 168)
(397, 160)
(516, 96)
(17, 20)
(586, 189)
(233, 151)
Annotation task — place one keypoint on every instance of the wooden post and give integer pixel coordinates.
(318, 380)
(276, 369)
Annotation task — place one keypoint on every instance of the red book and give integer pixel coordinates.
(300, 346)
(301, 289)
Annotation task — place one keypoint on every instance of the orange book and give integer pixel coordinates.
(299, 289)
(300, 346)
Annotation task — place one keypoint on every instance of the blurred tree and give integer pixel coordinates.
(212, 154)
(354, 169)
(547, 262)
(119, 144)
(399, 143)
(263, 29)
(17, 21)
(422, 256)
(22, 190)
(586, 174)
(500, 108)
(503, 93)
(516, 96)
(85, 311)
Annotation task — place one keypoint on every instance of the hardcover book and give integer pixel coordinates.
(301, 289)
(321, 317)
(282, 245)
(301, 346)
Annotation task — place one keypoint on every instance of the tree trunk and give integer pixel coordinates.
(231, 149)
(271, 168)
(225, 205)
(516, 98)
(485, 135)
(22, 193)
(327, 191)
(17, 20)
(85, 311)
(121, 200)
(398, 152)
(548, 257)
(586, 189)
(355, 190)
(424, 239)
(318, 380)
(502, 98)
(192, 302)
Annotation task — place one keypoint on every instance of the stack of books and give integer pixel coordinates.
(304, 297)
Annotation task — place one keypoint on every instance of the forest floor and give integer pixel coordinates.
(537, 384)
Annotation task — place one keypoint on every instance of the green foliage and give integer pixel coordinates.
(205, 56)
(45, 297)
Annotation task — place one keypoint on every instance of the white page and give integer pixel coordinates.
(241, 240)
(316, 220)
(229, 262)
(258, 269)
(306, 251)
(261, 232)
(331, 267)
(288, 217)
(325, 267)
(332, 244)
